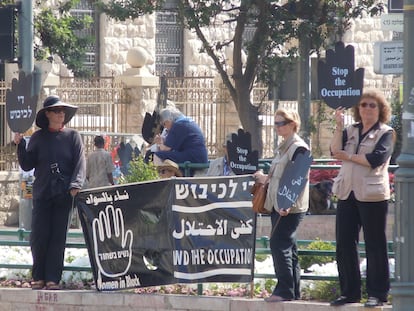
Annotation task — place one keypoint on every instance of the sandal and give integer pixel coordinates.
(37, 284)
(52, 285)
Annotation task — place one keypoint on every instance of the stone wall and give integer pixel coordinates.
(9, 198)
(81, 300)
(320, 227)
(118, 37)
(362, 35)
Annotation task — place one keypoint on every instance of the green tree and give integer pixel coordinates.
(272, 46)
(58, 31)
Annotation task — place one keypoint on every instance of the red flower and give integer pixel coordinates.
(317, 175)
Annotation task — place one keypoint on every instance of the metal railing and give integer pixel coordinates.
(20, 237)
(264, 164)
(262, 248)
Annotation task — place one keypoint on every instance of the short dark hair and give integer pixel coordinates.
(99, 141)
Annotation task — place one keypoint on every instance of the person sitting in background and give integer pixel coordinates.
(184, 142)
(99, 166)
(168, 168)
(149, 155)
(220, 166)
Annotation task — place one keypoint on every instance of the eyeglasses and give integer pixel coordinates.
(282, 123)
(370, 105)
(57, 110)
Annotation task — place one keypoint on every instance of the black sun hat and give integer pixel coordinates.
(50, 102)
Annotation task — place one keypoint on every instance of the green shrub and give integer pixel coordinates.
(139, 171)
(261, 257)
(308, 260)
(321, 291)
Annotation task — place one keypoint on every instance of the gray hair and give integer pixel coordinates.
(170, 114)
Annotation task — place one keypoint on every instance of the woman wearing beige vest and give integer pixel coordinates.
(362, 187)
(285, 222)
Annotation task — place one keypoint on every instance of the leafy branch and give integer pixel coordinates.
(59, 31)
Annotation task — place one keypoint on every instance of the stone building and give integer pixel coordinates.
(137, 51)
(171, 49)
(177, 51)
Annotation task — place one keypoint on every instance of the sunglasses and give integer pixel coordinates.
(282, 123)
(57, 110)
(370, 105)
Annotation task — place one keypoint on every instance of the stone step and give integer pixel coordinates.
(89, 300)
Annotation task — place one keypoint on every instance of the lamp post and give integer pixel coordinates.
(26, 65)
(403, 287)
(26, 36)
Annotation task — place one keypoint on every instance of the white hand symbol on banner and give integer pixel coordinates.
(109, 232)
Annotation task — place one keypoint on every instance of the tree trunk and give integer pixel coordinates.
(304, 87)
(249, 118)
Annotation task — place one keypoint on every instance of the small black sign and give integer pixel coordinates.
(242, 159)
(20, 104)
(151, 127)
(294, 180)
(340, 85)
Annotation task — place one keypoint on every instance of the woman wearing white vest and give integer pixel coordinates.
(285, 222)
(362, 187)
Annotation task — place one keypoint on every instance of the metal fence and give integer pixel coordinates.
(103, 108)
(210, 105)
(101, 101)
(7, 149)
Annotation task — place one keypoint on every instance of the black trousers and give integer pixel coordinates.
(351, 215)
(285, 254)
(48, 237)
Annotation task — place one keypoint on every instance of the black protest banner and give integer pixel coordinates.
(242, 159)
(181, 230)
(293, 181)
(21, 104)
(339, 84)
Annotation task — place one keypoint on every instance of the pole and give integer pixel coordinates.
(26, 65)
(403, 287)
(26, 36)
(304, 86)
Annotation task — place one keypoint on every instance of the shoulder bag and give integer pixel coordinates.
(259, 191)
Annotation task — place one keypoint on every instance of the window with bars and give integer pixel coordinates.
(86, 8)
(169, 42)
